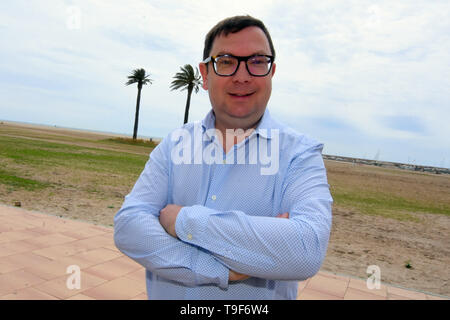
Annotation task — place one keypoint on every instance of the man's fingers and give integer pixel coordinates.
(235, 276)
(283, 215)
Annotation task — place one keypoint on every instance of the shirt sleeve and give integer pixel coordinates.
(269, 247)
(139, 234)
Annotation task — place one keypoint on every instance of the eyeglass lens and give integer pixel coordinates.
(256, 65)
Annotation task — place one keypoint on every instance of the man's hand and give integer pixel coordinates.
(168, 217)
(235, 276)
(283, 215)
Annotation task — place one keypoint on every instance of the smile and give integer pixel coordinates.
(241, 95)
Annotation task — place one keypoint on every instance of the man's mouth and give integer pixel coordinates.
(241, 95)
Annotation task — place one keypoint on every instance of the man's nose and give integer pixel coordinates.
(242, 74)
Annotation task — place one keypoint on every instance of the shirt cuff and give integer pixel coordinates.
(208, 269)
(191, 223)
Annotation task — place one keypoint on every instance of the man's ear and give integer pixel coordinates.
(204, 72)
(273, 68)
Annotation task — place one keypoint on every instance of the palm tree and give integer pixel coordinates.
(189, 80)
(139, 76)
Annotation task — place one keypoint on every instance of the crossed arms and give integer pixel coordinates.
(223, 242)
(167, 218)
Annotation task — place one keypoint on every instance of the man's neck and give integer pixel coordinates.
(232, 136)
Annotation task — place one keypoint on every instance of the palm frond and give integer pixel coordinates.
(186, 77)
(139, 76)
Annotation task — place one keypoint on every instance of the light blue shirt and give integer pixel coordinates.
(228, 220)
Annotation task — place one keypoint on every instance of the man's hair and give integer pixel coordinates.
(233, 25)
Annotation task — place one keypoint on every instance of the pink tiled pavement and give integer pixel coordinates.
(36, 250)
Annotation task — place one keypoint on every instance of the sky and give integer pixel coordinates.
(369, 79)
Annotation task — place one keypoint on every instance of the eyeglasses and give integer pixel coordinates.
(226, 64)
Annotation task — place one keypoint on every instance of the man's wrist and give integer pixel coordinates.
(178, 224)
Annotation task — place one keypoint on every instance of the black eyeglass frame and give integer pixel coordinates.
(245, 59)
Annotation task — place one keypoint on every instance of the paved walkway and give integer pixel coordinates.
(36, 251)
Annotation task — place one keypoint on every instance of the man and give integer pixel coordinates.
(213, 215)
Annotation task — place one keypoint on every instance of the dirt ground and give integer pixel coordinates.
(357, 240)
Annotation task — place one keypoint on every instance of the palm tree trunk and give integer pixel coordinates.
(188, 103)
(136, 116)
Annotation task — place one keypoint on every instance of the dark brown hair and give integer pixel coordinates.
(233, 25)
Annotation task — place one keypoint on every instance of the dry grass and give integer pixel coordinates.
(35, 158)
(68, 173)
(392, 193)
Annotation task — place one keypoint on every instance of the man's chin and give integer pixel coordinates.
(241, 111)
(243, 120)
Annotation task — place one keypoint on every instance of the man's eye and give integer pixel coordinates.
(225, 61)
(258, 61)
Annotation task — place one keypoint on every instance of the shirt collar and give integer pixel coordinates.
(262, 129)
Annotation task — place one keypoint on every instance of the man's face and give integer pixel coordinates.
(240, 100)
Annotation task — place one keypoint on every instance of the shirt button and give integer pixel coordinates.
(214, 197)
(189, 236)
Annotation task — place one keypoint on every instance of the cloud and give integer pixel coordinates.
(143, 41)
(358, 75)
(405, 123)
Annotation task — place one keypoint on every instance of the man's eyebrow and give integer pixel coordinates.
(221, 53)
